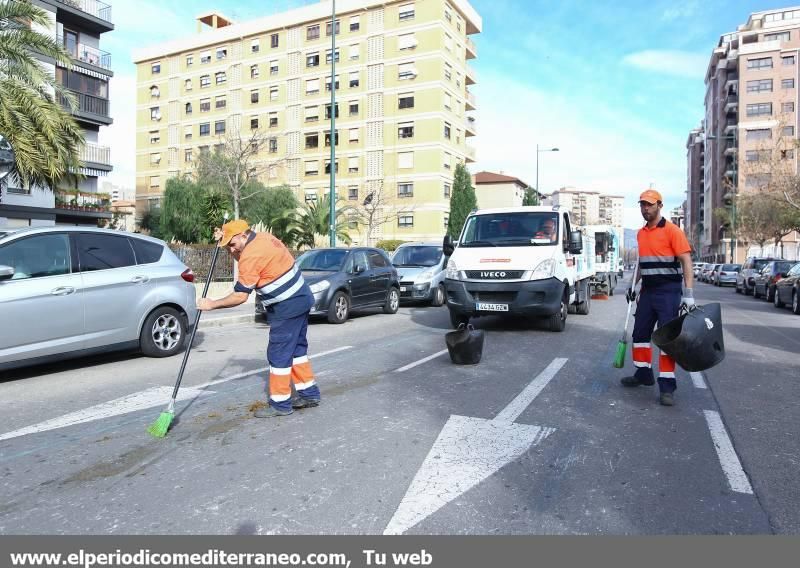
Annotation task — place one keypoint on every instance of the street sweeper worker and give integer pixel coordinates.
(664, 263)
(267, 267)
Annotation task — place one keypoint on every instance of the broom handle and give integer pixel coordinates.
(627, 317)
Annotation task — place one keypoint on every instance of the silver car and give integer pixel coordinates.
(72, 291)
(421, 269)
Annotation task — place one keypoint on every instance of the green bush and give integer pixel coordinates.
(389, 245)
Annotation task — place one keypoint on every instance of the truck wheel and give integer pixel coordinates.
(457, 319)
(611, 286)
(558, 320)
(583, 307)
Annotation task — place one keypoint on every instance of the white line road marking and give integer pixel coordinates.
(421, 361)
(697, 380)
(469, 450)
(731, 465)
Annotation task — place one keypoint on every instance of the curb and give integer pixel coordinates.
(230, 320)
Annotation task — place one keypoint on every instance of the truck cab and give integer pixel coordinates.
(524, 261)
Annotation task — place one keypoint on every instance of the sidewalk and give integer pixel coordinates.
(227, 316)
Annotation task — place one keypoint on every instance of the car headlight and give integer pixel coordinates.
(426, 274)
(544, 270)
(452, 270)
(320, 286)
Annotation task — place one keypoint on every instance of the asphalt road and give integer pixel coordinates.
(539, 438)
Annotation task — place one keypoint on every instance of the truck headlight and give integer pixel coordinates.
(452, 271)
(320, 286)
(544, 270)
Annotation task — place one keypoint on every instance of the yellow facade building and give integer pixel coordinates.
(402, 116)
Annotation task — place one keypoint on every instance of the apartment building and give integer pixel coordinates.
(750, 125)
(589, 207)
(401, 109)
(79, 25)
(695, 197)
(498, 190)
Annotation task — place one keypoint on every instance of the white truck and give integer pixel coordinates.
(607, 254)
(509, 261)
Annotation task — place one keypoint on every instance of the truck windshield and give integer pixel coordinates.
(511, 229)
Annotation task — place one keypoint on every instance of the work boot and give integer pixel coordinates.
(636, 381)
(270, 412)
(666, 399)
(300, 402)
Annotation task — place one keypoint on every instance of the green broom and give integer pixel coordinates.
(160, 427)
(622, 346)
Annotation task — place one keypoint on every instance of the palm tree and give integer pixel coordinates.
(312, 222)
(45, 137)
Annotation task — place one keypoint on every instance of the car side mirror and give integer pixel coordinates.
(575, 242)
(447, 246)
(360, 268)
(6, 272)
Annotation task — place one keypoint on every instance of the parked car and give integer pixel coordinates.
(73, 291)
(712, 276)
(421, 270)
(705, 271)
(726, 274)
(697, 267)
(764, 281)
(787, 289)
(751, 266)
(345, 279)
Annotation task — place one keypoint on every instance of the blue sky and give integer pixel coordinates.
(616, 86)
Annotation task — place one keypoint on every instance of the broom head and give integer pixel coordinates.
(619, 358)
(159, 428)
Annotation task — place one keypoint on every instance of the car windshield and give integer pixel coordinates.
(417, 256)
(511, 229)
(730, 267)
(323, 259)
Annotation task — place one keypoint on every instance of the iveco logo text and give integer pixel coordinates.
(493, 274)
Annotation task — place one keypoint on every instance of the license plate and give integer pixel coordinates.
(403, 288)
(484, 307)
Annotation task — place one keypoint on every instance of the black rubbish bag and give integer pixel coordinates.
(465, 345)
(694, 339)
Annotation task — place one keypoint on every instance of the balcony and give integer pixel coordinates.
(96, 157)
(471, 126)
(731, 103)
(90, 14)
(470, 101)
(731, 150)
(469, 154)
(87, 54)
(472, 78)
(80, 203)
(730, 126)
(472, 50)
(89, 108)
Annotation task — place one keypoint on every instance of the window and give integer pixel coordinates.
(353, 136)
(787, 154)
(787, 107)
(448, 160)
(312, 59)
(255, 46)
(312, 140)
(220, 102)
(328, 28)
(311, 195)
(352, 192)
(406, 71)
(220, 77)
(405, 130)
(187, 132)
(353, 108)
(406, 41)
(355, 23)
(188, 108)
(312, 32)
(328, 138)
(788, 60)
(788, 131)
(155, 68)
(205, 105)
(187, 85)
(447, 189)
(187, 155)
(328, 111)
(405, 220)
(205, 129)
(448, 42)
(254, 73)
(446, 220)
(253, 122)
(205, 81)
(447, 15)
(203, 150)
(760, 63)
(102, 252)
(405, 160)
(787, 83)
(759, 109)
(219, 127)
(312, 113)
(448, 101)
(448, 71)
(155, 181)
(205, 57)
(405, 189)
(377, 260)
(254, 96)
(759, 85)
(312, 86)
(756, 155)
(405, 100)
(273, 119)
(353, 52)
(189, 60)
(779, 36)
(273, 67)
(273, 40)
(328, 83)
(155, 137)
(155, 113)
(328, 166)
(328, 56)
(155, 159)
(273, 93)
(758, 134)
(273, 145)
(353, 79)
(222, 53)
(447, 131)
(155, 92)
(406, 12)
(352, 165)
(312, 168)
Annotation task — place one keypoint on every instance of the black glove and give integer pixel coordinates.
(630, 295)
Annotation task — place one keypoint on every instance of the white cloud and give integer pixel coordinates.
(670, 62)
(680, 11)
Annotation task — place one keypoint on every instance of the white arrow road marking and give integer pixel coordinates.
(731, 466)
(469, 450)
(156, 396)
(149, 398)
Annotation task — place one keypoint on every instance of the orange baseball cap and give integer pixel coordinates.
(231, 229)
(650, 196)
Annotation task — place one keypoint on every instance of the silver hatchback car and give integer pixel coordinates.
(72, 291)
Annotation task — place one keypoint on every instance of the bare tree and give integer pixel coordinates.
(376, 210)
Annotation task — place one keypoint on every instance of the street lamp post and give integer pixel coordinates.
(734, 191)
(538, 151)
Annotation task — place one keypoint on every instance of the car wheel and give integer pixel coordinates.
(392, 301)
(558, 321)
(738, 290)
(770, 294)
(339, 308)
(795, 302)
(438, 296)
(457, 319)
(776, 301)
(756, 293)
(746, 290)
(163, 333)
